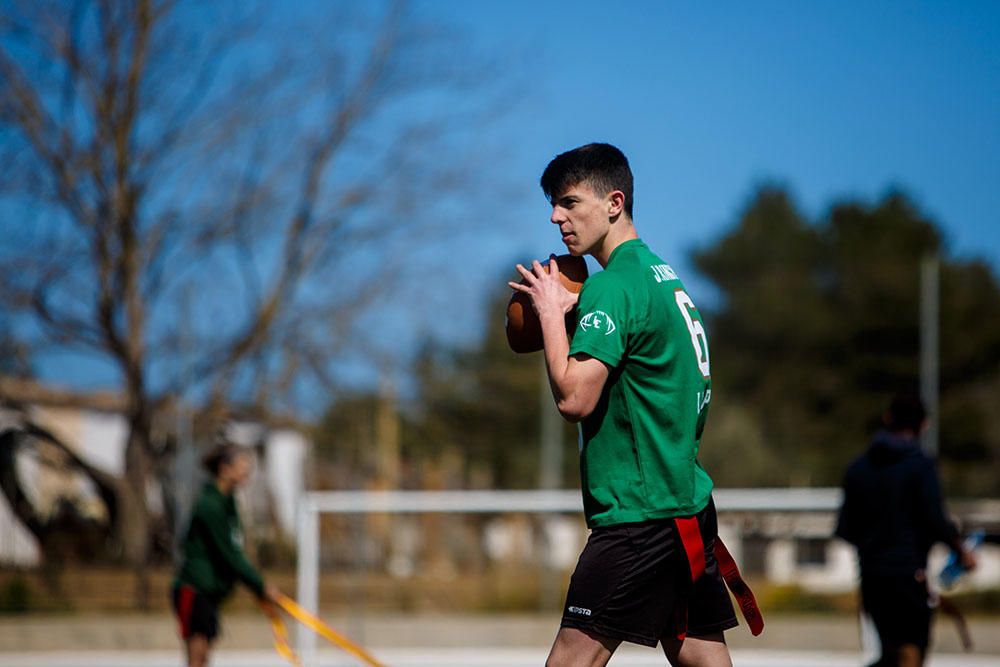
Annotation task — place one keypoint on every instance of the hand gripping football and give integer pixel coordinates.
(524, 330)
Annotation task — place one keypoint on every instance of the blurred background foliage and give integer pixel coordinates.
(199, 201)
(813, 324)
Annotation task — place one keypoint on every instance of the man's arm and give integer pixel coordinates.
(942, 528)
(847, 520)
(221, 540)
(576, 382)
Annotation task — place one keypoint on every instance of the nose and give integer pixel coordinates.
(558, 215)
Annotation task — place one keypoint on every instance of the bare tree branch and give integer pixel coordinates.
(217, 187)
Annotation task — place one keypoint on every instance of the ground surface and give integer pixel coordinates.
(439, 640)
(487, 657)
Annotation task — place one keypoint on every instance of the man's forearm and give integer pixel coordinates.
(556, 354)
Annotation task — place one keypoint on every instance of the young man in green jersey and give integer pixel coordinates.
(636, 376)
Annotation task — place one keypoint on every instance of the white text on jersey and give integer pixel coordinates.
(663, 273)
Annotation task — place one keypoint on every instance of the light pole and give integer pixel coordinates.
(929, 348)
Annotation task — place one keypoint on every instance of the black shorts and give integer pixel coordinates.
(196, 613)
(900, 608)
(633, 582)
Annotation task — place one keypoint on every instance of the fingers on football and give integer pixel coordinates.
(518, 286)
(528, 276)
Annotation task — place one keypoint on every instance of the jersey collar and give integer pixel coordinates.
(629, 243)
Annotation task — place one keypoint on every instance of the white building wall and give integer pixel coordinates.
(285, 457)
(842, 570)
(780, 561)
(102, 440)
(18, 546)
(730, 536)
(838, 573)
(987, 572)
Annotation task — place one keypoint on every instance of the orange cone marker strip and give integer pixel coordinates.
(282, 646)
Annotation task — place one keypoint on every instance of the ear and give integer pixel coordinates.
(616, 203)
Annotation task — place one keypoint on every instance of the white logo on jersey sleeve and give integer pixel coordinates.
(598, 320)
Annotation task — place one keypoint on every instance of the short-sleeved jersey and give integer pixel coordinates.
(639, 447)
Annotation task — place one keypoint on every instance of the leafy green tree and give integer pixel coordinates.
(817, 324)
(485, 402)
(473, 420)
(345, 437)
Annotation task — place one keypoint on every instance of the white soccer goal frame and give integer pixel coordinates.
(314, 503)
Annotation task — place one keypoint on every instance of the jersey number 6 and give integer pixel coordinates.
(698, 338)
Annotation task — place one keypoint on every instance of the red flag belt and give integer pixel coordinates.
(741, 591)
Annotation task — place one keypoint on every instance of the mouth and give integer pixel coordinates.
(566, 236)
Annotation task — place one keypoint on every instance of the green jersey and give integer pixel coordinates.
(639, 446)
(213, 554)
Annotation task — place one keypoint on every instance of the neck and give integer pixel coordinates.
(224, 486)
(621, 230)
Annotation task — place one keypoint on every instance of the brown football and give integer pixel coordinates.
(524, 331)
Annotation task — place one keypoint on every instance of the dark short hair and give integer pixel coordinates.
(601, 166)
(906, 413)
(222, 454)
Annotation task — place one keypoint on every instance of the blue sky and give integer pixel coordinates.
(709, 100)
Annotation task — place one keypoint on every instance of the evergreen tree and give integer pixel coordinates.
(817, 325)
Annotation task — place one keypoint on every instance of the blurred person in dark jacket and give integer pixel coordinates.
(213, 558)
(893, 513)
